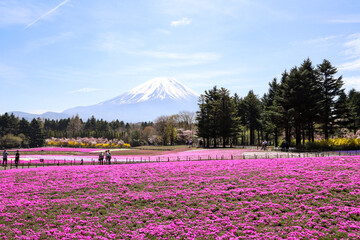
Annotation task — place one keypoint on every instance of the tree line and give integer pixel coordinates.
(305, 102)
(15, 132)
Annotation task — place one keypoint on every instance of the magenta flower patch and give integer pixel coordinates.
(303, 198)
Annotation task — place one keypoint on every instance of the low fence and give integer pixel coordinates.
(132, 160)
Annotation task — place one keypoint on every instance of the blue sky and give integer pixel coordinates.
(60, 54)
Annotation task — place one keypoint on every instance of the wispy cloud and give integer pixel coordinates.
(182, 22)
(323, 39)
(9, 74)
(352, 82)
(49, 40)
(163, 31)
(350, 66)
(353, 45)
(136, 48)
(13, 12)
(353, 51)
(46, 14)
(346, 20)
(206, 75)
(202, 56)
(86, 90)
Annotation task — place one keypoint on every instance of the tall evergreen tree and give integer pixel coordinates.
(251, 108)
(5, 124)
(331, 88)
(203, 120)
(354, 106)
(36, 134)
(282, 105)
(311, 101)
(270, 123)
(226, 114)
(24, 127)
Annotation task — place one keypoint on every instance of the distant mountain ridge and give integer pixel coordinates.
(159, 96)
(157, 88)
(46, 115)
(156, 97)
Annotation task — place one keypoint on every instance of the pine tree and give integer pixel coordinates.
(331, 88)
(280, 110)
(251, 110)
(270, 123)
(203, 120)
(342, 111)
(226, 114)
(354, 107)
(36, 134)
(311, 98)
(24, 127)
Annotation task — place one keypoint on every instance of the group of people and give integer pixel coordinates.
(264, 145)
(107, 156)
(285, 145)
(5, 157)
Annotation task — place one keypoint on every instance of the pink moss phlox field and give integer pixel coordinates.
(207, 154)
(58, 149)
(299, 198)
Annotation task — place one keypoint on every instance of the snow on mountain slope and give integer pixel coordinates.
(159, 96)
(158, 88)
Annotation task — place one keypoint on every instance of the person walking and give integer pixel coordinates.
(5, 155)
(17, 158)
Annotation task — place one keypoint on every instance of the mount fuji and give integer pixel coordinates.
(159, 96)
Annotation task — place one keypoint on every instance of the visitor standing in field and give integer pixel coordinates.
(106, 157)
(264, 145)
(17, 158)
(109, 156)
(101, 158)
(5, 154)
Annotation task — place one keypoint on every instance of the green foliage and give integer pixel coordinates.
(250, 111)
(10, 141)
(330, 88)
(217, 116)
(36, 135)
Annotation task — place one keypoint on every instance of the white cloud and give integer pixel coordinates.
(86, 90)
(352, 82)
(350, 66)
(134, 47)
(353, 45)
(49, 40)
(353, 51)
(10, 74)
(110, 42)
(347, 19)
(322, 39)
(163, 31)
(190, 7)
(206, 75)
(46, 14)
(17, 13)
(201, 56)
(182, 22)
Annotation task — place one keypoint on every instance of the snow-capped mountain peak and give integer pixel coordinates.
(157, 97)
(159, 88)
